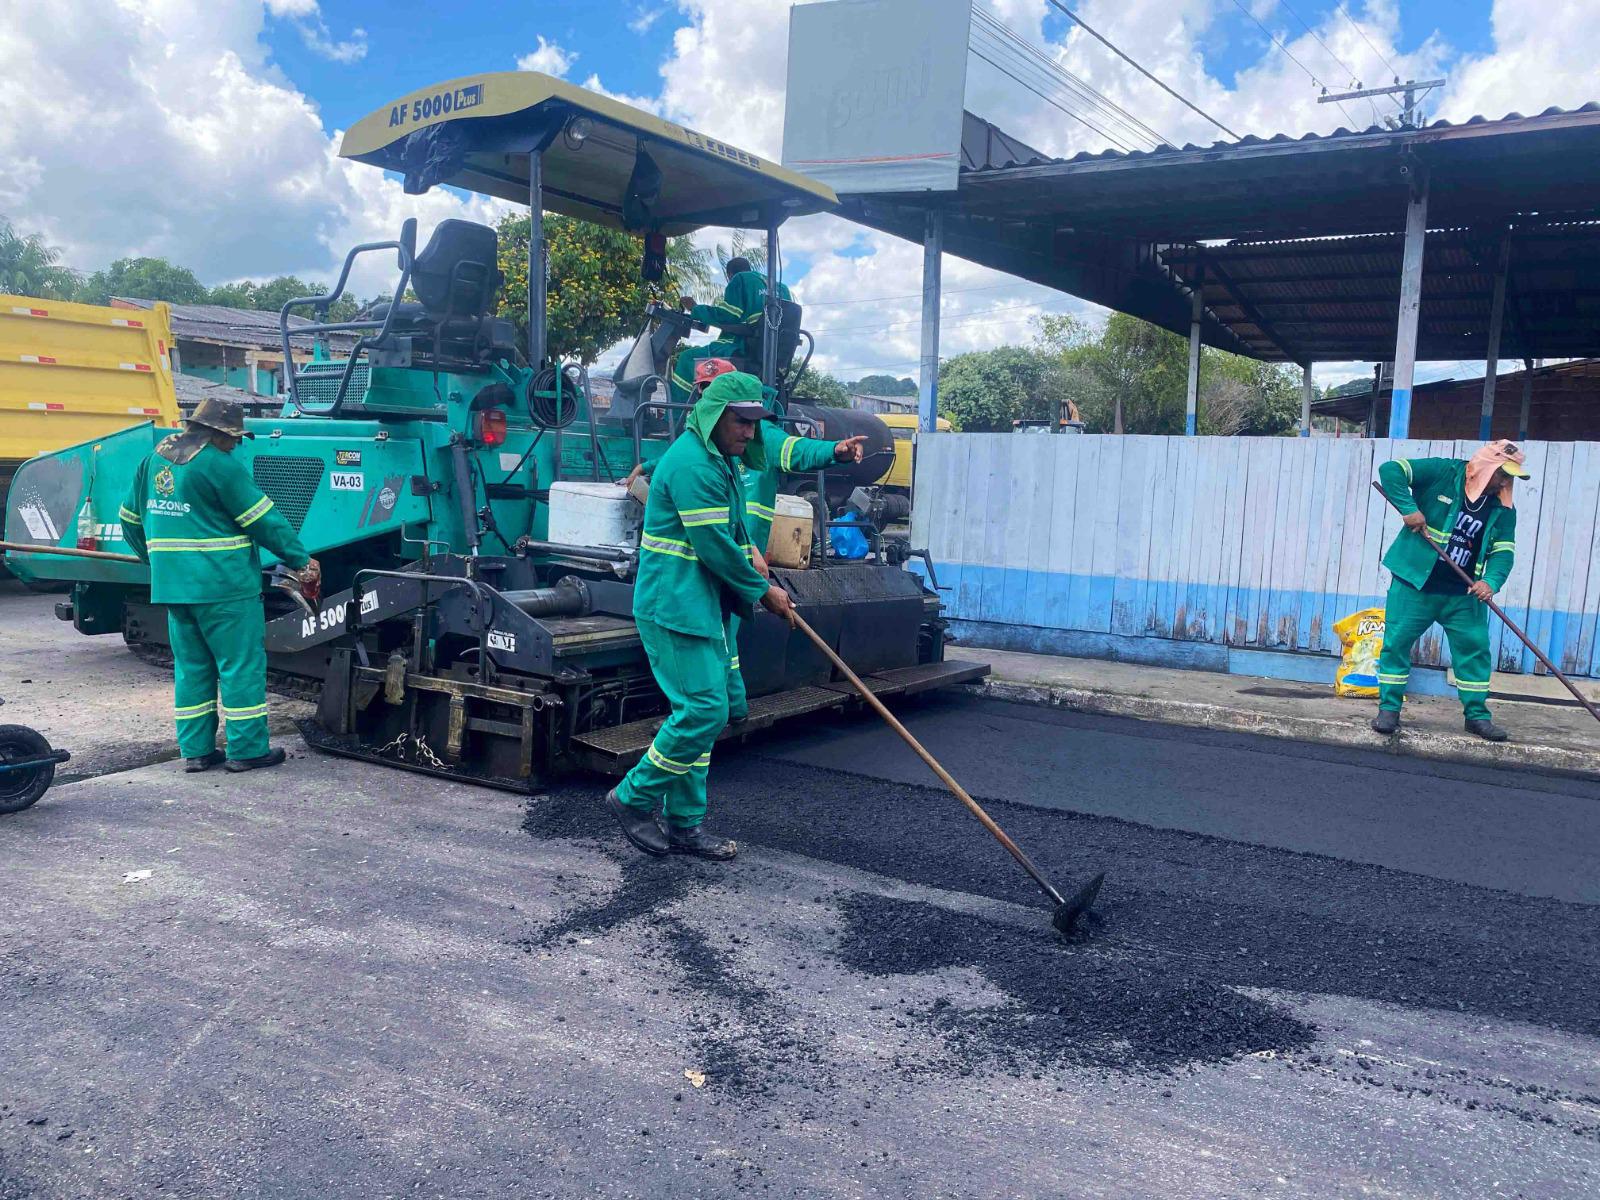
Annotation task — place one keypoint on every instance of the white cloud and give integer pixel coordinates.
(145, 130)
(548, 58)
(645, 20)
(314, 31)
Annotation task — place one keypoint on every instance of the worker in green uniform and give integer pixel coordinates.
(743, 303)
(197, 518)
(784, 452)
(695, 570)
(1464, 507)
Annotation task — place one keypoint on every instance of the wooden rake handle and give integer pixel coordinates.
(933, 764)
(1498, 611)
(67, 552)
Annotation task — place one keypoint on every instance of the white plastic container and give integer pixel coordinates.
(789, 544)
(594, 514)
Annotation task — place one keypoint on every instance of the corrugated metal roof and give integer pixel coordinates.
(249, 327)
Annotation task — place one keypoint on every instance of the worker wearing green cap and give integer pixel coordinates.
(695, 571)
(197, 518)
(1464, 506)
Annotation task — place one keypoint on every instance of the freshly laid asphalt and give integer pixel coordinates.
(1311, 973)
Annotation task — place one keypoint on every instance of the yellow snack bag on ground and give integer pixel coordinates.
(1362, 636)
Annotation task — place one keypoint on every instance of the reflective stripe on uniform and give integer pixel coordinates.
(726, 307)
(199, 545)
(733, 663)
(1405, 465)
(702, 516)
(1463, 686)
(1499, 546)
(1437, 535)
(671, 766)
(254, 513)
(671, 546)
(786, 453)
(129, 518)
(244, 714)
(195, 710)
(1394, 680)
(760, 510)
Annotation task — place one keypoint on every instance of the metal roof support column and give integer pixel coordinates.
(1405, 337)
(1192, 393)
(932, 261)
(536, 260)
(1308, 393)
(771, 314)
(1497, 312)
(1527, 399)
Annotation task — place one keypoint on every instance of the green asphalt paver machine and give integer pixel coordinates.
(458, 487)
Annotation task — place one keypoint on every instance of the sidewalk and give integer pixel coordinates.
(1547, 737)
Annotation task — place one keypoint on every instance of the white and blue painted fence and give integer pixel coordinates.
(1225, 553)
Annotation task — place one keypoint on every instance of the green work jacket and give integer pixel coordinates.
(694, 551)
(785, 452)
(743, 301)
(1437, 486)
(199, 524)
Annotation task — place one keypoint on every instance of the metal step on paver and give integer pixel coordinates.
(612, 751)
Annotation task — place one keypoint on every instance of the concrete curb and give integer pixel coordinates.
(1445, 747)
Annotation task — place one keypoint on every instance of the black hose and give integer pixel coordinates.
(553, 411)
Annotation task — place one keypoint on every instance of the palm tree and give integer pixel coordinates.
(30, 266)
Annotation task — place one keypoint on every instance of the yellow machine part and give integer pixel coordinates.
(73, 372)
(903, 428)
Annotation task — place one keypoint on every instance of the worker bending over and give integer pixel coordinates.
(743, 303)
(197, 518)
(784, 452)
(695, 571)
(1464, 507)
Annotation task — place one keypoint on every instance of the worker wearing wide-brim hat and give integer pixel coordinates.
(1464, 506)
(194, 514)
(696, 570)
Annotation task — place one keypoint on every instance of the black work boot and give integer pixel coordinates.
(270, 759)
(1386, 722)
(1487, 730)
(204, 763)
(638, 826)
(693, 839)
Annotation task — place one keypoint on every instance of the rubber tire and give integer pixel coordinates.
(21, 789)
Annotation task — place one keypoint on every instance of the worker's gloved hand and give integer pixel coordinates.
(310, 577)
(849, 450)
(1415, 520)
(777, 601)
(1481, 591)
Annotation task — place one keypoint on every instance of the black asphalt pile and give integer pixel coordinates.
(1078, 1005)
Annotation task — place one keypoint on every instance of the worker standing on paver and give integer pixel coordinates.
(197, 518)
(1463, 506)
(743, 302)
(695, 571)
(784, 452)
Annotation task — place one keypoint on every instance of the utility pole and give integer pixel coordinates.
(1412, 89)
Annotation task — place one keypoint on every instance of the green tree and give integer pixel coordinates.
(595, 297)
(30, 266)
(143, 279)
(986, 390)
(883, 385)
(818, 387)
(1129, 380)
(272, 295)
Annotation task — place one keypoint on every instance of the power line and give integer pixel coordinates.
(1050, 89)
(992, 287)
(1074, 84)
(1273, 38)
(1349, 72)
(1104, 41)
(1048, 100)
(1356, 26)
(959, 319)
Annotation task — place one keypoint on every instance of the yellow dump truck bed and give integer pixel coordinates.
(72, 372)
(903, 427)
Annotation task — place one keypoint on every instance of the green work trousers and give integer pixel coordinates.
(1407, 615)
(219, 645)
(738, 705)
(693, 672)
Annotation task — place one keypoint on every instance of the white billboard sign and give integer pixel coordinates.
(875, 93)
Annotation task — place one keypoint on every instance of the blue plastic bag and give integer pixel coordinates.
(847, 542)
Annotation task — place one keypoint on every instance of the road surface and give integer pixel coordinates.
(1312, 973)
